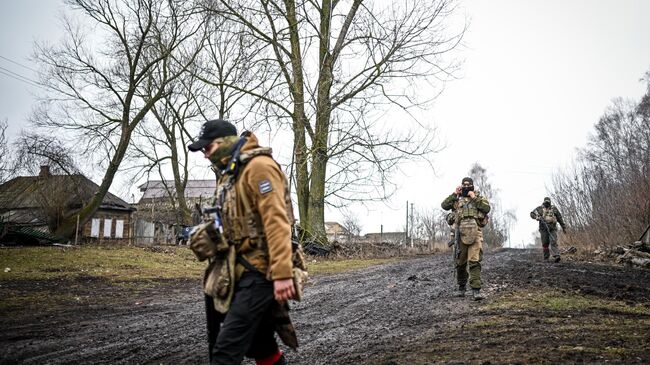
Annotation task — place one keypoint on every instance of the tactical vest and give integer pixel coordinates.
(239, 225)
(465, 208)
(548, 214)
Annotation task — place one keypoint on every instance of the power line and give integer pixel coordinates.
(18, 63)
(18, 77)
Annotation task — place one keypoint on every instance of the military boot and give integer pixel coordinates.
(460, 292)
(556, 258)
(476, 293)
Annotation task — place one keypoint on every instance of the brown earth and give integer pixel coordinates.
(397, 313)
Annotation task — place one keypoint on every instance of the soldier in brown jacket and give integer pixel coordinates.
(256, 214)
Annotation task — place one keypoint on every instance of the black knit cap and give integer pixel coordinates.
(468, 179)
(211, 130)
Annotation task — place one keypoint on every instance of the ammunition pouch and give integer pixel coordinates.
(482, 219)
(469, 230)
(219, 279)
(300, 274)
(450, 218)
(206, 241)
(548, 214)
(550, 219)
(469, 212)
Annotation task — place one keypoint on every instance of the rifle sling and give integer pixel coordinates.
(241, 260)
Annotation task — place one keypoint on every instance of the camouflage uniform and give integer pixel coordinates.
(549, 216)
(467, 212)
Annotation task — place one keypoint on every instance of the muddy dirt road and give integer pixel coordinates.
(398, 313)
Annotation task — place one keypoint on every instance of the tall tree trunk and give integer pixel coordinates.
(69, 224)
(319, 156)
(183, 216)
(299, 120)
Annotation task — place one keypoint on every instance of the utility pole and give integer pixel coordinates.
(411, 225)
(406, 232)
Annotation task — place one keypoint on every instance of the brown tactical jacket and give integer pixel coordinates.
(264, 184)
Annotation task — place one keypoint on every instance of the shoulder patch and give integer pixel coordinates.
(265, 186)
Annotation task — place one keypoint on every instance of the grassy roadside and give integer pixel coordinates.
(62, 276)
(545, 326)
(121, 263)
(117, 263)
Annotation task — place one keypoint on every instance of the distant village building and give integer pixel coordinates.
(336, 232)
(398, 238)
(158, 218)
(41, 202)
(162, 193)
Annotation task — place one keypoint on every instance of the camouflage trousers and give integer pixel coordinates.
(471, 255)
(549, 240)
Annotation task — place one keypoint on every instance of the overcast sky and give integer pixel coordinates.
(537, 75)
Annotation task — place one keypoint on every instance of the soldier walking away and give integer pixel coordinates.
(256, 215)
(470, 211)
(549, 216)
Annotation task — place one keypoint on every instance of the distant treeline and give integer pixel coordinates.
(605, 195)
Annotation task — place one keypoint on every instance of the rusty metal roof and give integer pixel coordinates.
(71, 191)
(155, 189)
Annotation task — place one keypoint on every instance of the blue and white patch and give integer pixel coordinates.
(265, 186)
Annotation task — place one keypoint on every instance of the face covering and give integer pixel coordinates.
(466, 189)
(546, 204)
(222, 153)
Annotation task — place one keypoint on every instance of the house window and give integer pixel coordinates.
(94, 228)
(108, 225)
(119, 228)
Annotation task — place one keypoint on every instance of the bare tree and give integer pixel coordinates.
(228, 67)
(340, 65)
(204, 92)
(495, 232)
(102, 83)
(643, 108)
(427, 225)
(604, 195)
(161, 144)
(57, 188)
(352, 225)
(36, 150)
(6, 165)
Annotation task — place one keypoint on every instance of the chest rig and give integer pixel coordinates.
(240, 218)
(466, 208)
(548, 214)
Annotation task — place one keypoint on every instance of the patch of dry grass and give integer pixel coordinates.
(122, 263)
(116, 263)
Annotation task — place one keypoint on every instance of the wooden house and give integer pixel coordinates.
(41, 202)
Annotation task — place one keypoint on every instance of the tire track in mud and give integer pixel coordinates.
(350, 318)
(344, 317)
(355, 317)
(127, 334)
